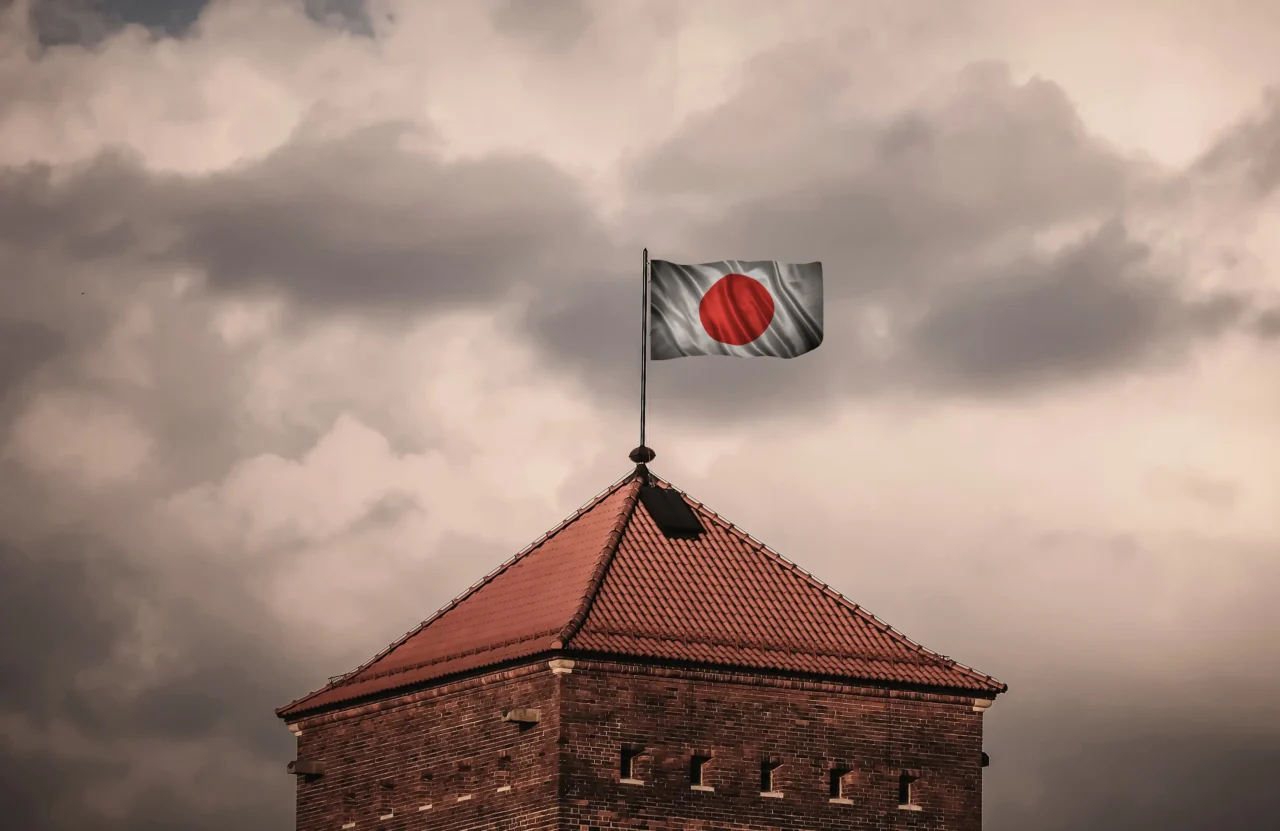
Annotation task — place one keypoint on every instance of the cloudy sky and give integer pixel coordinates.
(311, 313)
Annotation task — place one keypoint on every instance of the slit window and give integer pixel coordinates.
(768, 777)
(906, 789)
(839, 779)
(697, 769)
(629, 756)
(386, 799)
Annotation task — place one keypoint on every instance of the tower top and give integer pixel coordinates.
(645, 572)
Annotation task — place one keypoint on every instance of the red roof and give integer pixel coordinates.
(608, 581)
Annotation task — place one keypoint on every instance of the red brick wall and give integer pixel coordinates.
(809, 730)
(455, 736)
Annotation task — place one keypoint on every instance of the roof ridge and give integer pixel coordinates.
(849, 605)
(607, 555)
(475, 587)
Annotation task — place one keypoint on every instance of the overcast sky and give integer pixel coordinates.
(311, 313)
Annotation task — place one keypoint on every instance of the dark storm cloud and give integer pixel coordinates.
(553, 25)
(1090, 308)
(77, 605)
(1118, 721)
(349, 15)
(927, 217)
(354, 225)
(1249, 151)
(79, 718)
(778, 166)
(37, 674)
(360, 222)
(1267, 324)
(348, 224)
(1116, 768)
(24, 346)
(87, 22)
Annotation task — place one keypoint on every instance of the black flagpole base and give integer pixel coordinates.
(642, 456)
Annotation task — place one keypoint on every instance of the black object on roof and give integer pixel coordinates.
(674, 517)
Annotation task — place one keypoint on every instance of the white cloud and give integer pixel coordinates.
(83, 439)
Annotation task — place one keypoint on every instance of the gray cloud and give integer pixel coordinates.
(360, 222)
(552, 25)
(356, 223)
(88, 22)
(1267, 324)
(1250, 151)
(927, 218)
(1090, 308)
(780, 167)
(349, 15)
(1116, 767)
(185, 739)
(80, 604)
(24, 346)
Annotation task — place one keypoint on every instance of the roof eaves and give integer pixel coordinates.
(295, 705)
(607, 554)
(976, 690)
(416, 683)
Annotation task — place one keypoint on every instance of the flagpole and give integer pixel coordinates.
(643, 454)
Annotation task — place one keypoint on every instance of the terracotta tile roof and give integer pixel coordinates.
(608, 581)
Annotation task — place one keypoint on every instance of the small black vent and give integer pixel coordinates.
(673, 515)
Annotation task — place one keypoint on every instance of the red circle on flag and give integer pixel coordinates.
(736, 310)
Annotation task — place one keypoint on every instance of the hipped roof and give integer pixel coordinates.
(609, 582)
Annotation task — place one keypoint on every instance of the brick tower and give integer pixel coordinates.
(645, 664)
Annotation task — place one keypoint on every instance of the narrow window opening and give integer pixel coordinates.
(628, 769)
(839, 779)
(768, 778)
(386, 797)
(697, 768)
(906, 789)
(349, 809)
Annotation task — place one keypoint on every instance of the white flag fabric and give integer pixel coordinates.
(742, 308)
